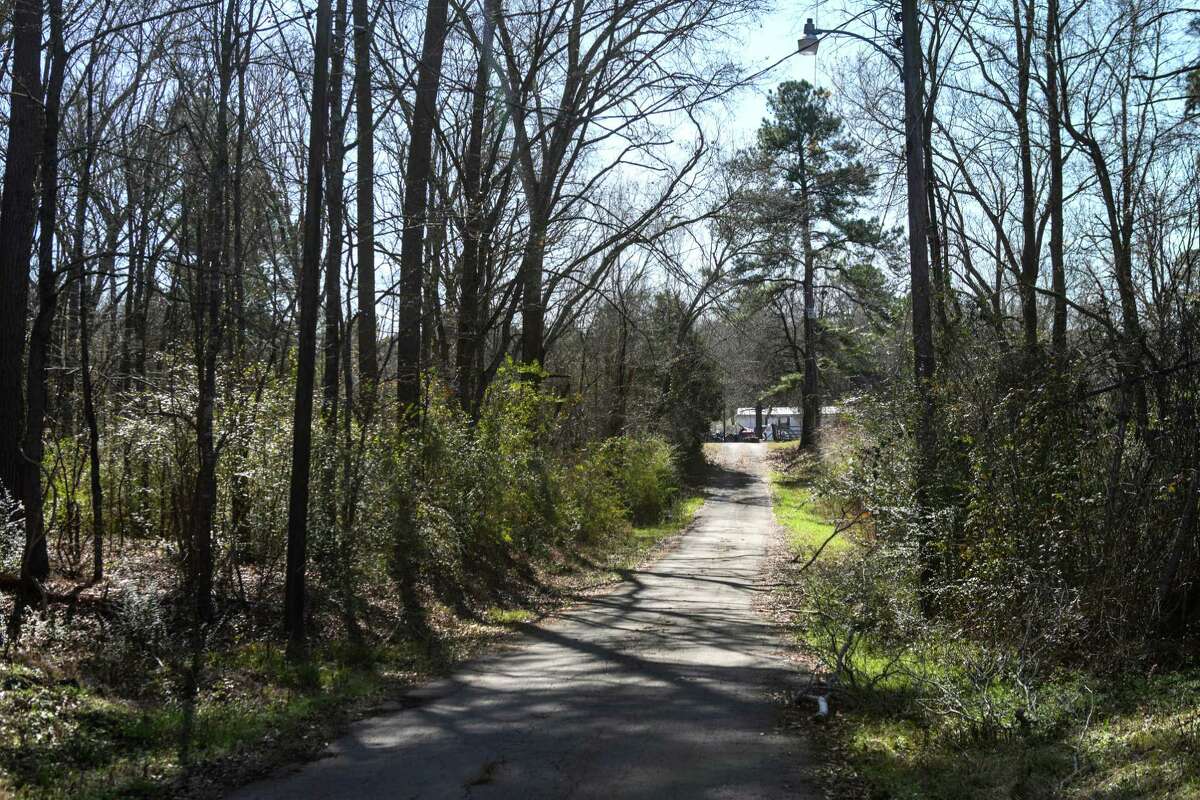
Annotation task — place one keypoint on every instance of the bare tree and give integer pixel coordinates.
(295, 593)
(17, 212)
(414, 211)
(208, 327)
(368, 358)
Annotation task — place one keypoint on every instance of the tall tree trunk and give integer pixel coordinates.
(924, 360)
(146, 276)
(1027, 279)
(812, 392)
(415, 206)
(306, 355)
(1058, 278)
(208, 335)
(938, 259)
(533, 311)
(16, 250)
(335, 200)
(65, 404)
(238, 273)
(433, 330)
(812, 400)
(89, 411)
(78, 278)
(239, 490)
(125, 366)
(36, 553)
(1133, 344)
(331, 346)
(621, 390)
(467, 356)
(368, 356)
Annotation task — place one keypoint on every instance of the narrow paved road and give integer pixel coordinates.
(658, 689)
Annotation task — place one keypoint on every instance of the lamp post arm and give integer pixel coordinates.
(814, 31)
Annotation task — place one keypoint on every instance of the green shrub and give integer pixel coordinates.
(594, 508)
(646, 474)
(455, 506)
(484, 497)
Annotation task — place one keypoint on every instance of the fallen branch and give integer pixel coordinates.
(840, 528)
(75, 599)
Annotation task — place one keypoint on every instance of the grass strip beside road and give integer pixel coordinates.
(806, 523)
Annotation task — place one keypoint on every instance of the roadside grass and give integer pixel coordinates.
(509, 616)
(808, 524)
(904, 731)
(646, 536)
(1135, 738)
(64, 736)
(61, 738)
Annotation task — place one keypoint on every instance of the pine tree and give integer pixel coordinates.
(811, 175)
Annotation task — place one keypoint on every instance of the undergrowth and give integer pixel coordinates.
(924, 711)
(65, 735)
(451, 538)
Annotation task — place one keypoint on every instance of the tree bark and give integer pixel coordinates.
(16, 251)
(89, 417)
(208, 336)
(533, 310)
(1027, 279)
(368, 356)
(36, 553)
(331, 346)
(924, 361)
(467, 356)
(811, 386)
(1058, 334)
(621, 390)
(310, 268)
(415, 207)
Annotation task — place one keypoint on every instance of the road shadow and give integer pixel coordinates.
(660, 688)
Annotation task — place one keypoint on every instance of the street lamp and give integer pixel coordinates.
(810, 42)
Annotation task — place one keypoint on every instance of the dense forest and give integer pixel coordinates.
(310, 246)
(330, 328)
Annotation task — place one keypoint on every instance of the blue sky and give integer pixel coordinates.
(772, 38)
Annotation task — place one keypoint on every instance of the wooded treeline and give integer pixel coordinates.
(1064, 220)
(354, 321)
(221, 216)
(1054, 511)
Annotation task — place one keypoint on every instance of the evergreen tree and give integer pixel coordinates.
(811, 185)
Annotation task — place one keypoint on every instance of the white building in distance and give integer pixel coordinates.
(779, 416)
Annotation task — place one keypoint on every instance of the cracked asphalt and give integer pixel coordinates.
(660, 688)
